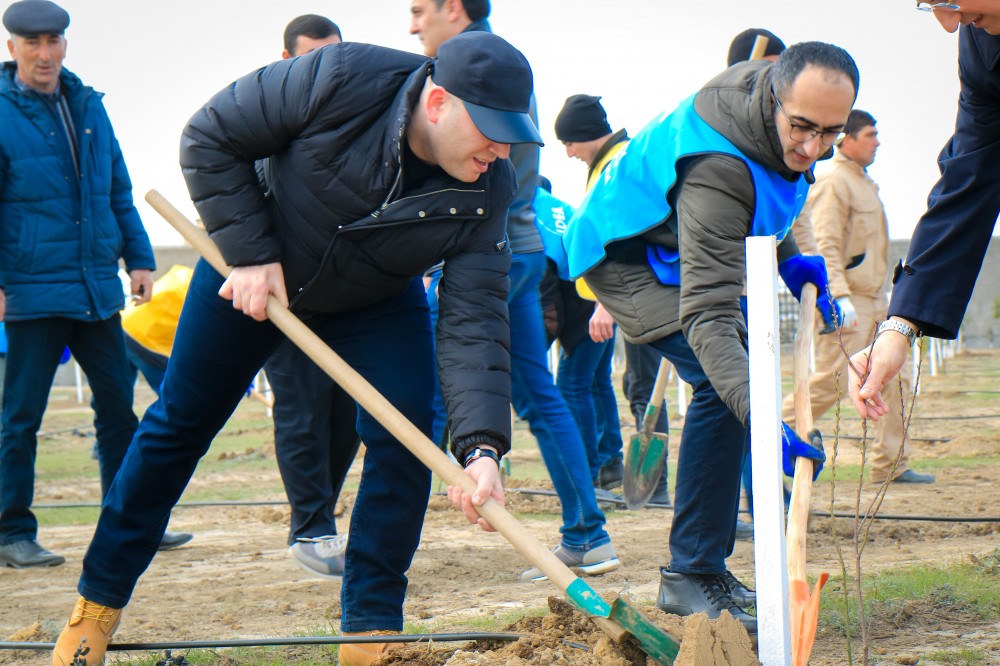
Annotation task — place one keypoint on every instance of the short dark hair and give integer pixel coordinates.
(797, 57)
(312, 26)
(476, 9)
(858, 120)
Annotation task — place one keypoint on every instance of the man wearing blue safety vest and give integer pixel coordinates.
(660, 240)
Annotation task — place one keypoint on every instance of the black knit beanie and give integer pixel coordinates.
(582, 119)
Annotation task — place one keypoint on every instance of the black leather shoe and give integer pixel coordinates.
(172, 540)
(611, 475)
(661, 495)
(28, 553)
(741, 594)
(687, 594)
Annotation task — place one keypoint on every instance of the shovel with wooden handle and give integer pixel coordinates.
(647, 450)
(803, 606)
(617, 619)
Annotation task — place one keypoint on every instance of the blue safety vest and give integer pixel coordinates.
(631, 196)
(551, 216)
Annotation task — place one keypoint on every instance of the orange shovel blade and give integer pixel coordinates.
(804, 611)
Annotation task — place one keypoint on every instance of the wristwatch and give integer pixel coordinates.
(899, 327)
(478, 453)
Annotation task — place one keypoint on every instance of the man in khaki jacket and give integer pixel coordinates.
(844, 221)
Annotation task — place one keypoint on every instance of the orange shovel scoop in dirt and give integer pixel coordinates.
(803, 606)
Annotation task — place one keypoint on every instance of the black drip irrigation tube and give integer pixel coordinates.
(552, 493)
(827, 514)
(298, 641)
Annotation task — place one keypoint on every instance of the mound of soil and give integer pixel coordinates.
(567, 638)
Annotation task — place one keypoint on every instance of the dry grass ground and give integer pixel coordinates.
(236, 578)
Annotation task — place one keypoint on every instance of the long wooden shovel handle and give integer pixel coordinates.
(759, 47)
(656, 400)
(383, 411)
(798, 510)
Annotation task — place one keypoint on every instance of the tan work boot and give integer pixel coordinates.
(365, 654)
(84, 639)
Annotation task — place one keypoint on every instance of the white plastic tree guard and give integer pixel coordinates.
(773, 632)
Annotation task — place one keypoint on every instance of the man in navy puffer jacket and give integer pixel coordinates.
(66, 219)
(380, 164)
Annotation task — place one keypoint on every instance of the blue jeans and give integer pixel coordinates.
(216, 353)
(713, 445)
(585, 383)
(537, 400)
(34, 348)
(315, 439)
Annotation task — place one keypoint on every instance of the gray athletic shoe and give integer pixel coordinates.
(321, 556)
(591, 562)
(909, 476)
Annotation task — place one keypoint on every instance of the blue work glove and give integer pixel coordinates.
(792, 447)
(801, 268)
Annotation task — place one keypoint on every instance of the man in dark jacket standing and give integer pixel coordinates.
(66, 218)
(932, 289)
(661, 241)
(380, 164)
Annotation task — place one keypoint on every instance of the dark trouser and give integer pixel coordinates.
(713, 444)
(152, 365)
(216, 353)
(641, 364)
(34, 348)
(315, 439)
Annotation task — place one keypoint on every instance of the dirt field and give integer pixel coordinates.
(236, 578)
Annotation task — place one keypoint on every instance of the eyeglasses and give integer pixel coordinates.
(931, 6)
(804, 133)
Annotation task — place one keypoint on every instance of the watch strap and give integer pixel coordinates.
(898, 326)
(478, 453)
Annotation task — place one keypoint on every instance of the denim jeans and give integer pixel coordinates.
(585, 383)
(216, 353)
(537, 400)
(34, 348)
(315, 438)
(713, 445)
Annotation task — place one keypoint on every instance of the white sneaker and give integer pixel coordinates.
(321, 556)
(593, 562)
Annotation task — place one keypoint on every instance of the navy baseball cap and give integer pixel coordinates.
(30, 18)
(494, 81)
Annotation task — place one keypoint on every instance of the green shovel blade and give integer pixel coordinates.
(654, 641)
(644, 463)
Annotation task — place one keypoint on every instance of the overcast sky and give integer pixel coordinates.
(158, 61)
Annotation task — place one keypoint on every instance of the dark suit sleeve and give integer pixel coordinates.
(949, 243)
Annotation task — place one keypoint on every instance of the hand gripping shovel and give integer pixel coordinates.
(647, 450)
(803, 606)
(617, 619)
